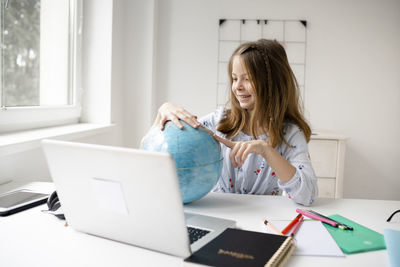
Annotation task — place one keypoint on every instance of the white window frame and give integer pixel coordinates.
(24, 118)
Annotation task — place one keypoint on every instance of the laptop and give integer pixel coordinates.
(127, 195)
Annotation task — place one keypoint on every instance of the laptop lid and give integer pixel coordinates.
(123, 194)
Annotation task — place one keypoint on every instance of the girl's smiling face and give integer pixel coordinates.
(242, 87)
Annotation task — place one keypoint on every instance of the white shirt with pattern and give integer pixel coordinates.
(256, 176)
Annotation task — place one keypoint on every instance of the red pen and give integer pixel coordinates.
(290, 225)
(297, 226)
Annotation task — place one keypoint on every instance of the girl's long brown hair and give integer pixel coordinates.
(277, 98)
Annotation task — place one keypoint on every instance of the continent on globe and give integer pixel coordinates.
(196, 153)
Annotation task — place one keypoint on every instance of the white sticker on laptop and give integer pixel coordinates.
(108, 195)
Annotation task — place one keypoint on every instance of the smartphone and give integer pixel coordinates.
(20, 200)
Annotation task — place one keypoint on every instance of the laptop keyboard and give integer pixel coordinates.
(196, 233)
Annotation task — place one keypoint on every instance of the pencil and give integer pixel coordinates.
(297, 226)
(267, 223)
(290, 225)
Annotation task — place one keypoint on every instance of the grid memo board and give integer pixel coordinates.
(292, 34)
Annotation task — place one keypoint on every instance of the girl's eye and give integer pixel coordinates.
(234, 79)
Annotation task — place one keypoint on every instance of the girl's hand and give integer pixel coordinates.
(240, 150)
(171, 112)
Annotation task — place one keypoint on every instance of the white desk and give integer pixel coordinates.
(32, 238)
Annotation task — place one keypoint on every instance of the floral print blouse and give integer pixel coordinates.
(257, 177)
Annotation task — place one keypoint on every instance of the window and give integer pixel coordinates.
(40, 63)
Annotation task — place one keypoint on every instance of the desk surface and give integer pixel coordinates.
(33, 238)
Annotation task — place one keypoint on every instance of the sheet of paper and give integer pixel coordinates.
(312, 239)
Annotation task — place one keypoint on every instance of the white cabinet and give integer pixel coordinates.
(327, 152)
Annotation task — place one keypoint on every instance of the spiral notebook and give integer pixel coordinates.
(236, 247)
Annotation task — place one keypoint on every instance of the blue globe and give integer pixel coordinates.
(196, 153)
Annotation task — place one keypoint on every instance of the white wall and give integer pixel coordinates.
(187, 52)
(352, 79)
(136, 40)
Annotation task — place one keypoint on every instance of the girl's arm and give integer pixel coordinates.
(294, 170)
(240, 151)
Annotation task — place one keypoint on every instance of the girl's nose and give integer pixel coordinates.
(239, 84)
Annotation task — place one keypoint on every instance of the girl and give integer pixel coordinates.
(263, 133)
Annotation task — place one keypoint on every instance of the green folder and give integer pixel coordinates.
(361, 239)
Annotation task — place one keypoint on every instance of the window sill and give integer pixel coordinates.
(16, 142)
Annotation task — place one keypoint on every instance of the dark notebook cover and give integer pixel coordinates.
(235, 247)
